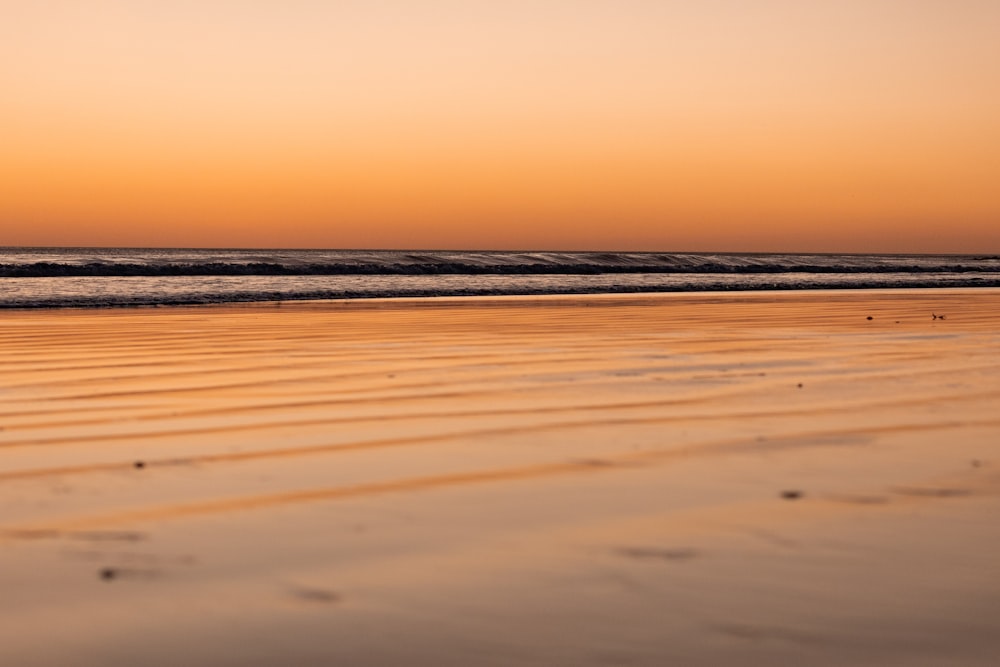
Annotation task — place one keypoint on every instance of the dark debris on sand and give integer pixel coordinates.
(319, 595)
(112, 573)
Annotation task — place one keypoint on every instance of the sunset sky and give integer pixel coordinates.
(728, 125)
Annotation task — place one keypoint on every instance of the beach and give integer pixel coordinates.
(753, 478)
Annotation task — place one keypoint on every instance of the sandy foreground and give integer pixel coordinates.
(709, 479)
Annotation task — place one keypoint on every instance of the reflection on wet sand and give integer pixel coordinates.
(703, 479)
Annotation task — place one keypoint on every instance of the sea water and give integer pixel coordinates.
(96, 277)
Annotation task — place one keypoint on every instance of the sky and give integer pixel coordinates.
(716, 125)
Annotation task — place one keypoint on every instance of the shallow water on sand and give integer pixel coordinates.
(754, 478)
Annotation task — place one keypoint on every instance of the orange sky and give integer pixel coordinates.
(773, 125)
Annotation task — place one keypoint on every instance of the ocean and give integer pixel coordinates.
(105, 277)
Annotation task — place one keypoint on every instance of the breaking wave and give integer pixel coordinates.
(65, 277)
(59, 262)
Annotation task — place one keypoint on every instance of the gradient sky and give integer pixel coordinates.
(763, 125)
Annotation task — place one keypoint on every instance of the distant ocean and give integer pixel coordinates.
(101, 277)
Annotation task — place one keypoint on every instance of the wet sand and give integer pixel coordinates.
(744, 479)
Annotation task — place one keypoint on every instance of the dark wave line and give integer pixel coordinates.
(432, 268)
(316, 295)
